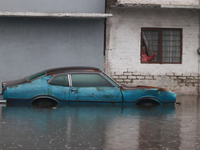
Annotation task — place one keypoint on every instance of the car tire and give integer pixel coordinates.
(147, 103)
(44, 103)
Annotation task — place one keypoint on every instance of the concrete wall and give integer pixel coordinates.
(29, 45)
(123, 48)
(50, 6)
(168, 2)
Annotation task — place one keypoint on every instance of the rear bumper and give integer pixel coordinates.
(2, 101)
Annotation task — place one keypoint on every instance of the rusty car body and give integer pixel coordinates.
(79, 84)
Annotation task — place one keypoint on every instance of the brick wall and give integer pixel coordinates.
(182, 84)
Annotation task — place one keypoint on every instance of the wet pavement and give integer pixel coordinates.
(102, 127)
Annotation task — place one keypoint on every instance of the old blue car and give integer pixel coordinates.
(79, 84)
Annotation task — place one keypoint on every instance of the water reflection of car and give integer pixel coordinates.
(90, 125)
(79, 84)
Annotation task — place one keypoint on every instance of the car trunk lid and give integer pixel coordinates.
(14, 82)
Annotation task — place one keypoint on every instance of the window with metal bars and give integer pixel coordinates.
(161, 45)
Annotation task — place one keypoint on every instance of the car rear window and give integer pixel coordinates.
(35, 76)
(61, 80)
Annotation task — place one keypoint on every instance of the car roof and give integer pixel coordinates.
(71, 69)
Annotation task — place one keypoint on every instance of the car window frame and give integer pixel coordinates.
(54, 76)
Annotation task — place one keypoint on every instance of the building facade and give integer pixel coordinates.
(168, 30)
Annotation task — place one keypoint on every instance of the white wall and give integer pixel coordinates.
(169, 2)
(125, 39)
(123, 48)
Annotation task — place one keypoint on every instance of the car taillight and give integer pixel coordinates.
(3, 87)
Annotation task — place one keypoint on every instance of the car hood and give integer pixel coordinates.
(14, 82)
(131, 87)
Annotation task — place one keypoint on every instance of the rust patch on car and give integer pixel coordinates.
(151, 87)
(141, 87)
(54, 71)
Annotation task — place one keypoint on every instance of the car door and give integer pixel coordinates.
(59, 87)
(93, 87)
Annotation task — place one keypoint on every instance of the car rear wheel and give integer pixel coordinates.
(147, 103)
(44, 103)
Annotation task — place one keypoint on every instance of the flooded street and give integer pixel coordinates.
(102, 127)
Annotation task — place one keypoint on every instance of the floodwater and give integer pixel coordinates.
(102, 127)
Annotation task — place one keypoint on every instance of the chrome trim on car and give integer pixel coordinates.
(70, 80)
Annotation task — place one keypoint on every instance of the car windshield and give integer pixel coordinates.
(35, 76)
(117, 84)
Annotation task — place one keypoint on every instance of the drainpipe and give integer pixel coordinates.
(199, 57)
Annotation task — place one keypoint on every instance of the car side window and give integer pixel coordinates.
(89, 80)
(60, 80)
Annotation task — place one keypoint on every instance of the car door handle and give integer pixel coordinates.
(74, 90)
